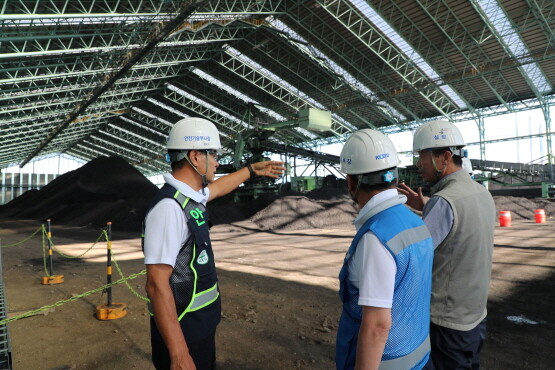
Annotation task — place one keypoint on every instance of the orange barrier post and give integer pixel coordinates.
(51, 278)
(539, 215)
(504, 218)
(110, 311)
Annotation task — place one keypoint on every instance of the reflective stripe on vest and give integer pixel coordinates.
(408, 237)
(181, 199)
(409, 361)
(202, 300)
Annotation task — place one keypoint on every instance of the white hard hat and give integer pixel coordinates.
(367, 151)
(437, 134)
(194, 134)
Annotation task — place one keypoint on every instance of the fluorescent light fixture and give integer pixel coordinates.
(206, 104)
(150, 115)
(237, 94)
(167, 107)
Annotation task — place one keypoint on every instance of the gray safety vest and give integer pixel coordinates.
(462, 262)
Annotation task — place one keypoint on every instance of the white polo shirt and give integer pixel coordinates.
(166, 228)
(372, 268)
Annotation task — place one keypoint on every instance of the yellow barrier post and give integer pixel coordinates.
(51, 278)
(110, 311)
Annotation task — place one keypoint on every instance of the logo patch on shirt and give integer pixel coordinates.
(202, 258)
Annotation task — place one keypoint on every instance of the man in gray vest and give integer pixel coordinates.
(461, 218)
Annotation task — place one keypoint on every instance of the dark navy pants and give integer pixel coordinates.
(455, 349)
(203, 352)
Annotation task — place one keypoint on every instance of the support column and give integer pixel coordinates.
(482, 136)
(547, 116)
(3, 190)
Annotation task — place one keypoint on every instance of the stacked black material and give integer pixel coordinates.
(110, 189)
(105, 189)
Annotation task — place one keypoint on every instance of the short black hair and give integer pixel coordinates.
(379, 187)
(179, 164)
(457, 159)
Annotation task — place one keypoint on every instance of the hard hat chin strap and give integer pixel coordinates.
(202, 176)
(355, 194)
(438, 172)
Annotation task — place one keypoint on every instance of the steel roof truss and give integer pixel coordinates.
(345, 14)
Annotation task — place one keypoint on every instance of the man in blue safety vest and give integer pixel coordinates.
(181, 275)
(385, 281)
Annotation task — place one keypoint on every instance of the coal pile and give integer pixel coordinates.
(110, 189)
(320, 208)
(523, 208)
(105, 189)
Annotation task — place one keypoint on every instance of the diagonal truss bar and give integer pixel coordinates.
(347, 15)
(505, 34)
(343, 77)
(256, 76)
(468, 46)
(345, 53)
(157, 37)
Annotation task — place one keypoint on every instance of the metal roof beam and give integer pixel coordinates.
(151, 120)
(126, 142)
(539, 15)
(260, 78)
(339, 126)
(140, 141)
(162, 58)
(343, 77)
(101, 8)
(142, 128)
(343, 53)
(505, 33)
(104, 105)
(142, 89)
(345, 13)
(94, 150)
(460, 38)
(304, 71)
(132, 59)
(190, 102)
(213, 89)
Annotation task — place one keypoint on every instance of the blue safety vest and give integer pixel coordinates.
(194, 282)
(408, 240)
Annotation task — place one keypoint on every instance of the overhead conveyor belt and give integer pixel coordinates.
(512, 168)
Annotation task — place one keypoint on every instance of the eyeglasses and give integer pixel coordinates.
(213, 152)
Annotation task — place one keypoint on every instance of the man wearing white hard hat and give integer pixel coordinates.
(181, 275)
(461, 217)
(385, 281)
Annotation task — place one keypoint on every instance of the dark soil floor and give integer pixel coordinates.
(279, 292)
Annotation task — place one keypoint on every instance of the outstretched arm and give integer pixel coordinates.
(414, 200)
(228, 183)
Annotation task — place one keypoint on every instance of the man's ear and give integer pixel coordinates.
(194, 157)
(447, 156)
